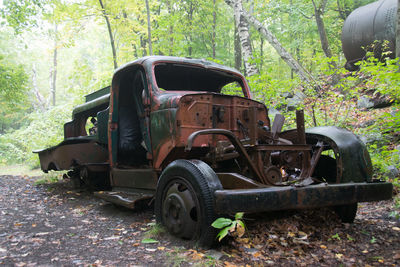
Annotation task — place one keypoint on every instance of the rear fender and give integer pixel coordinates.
(352, 157)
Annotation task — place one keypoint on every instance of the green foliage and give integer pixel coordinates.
(230, 226)
(45, 130)
(49, 178)
(21, 14)
(156, 230)
(13, 94)
(13, 80)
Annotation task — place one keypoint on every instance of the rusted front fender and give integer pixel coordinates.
(352, 157)
(291, 197)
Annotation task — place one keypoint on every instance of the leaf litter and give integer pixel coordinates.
(42, 225)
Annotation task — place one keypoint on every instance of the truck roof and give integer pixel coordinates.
(150, 60)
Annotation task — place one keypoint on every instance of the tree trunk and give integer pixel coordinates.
(261, 52)
(238, 51)
(214, 30)
(105, 15)
(41, 103)
(285, 55)
(319, 11)
(54, 71)
(398, 31)
(143, 46)
(244, 37)
(149, 28)
(171, 30)
(190, 20)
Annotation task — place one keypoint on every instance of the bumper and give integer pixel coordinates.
(289, 197)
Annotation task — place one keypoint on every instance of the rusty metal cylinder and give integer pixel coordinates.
(375, 21)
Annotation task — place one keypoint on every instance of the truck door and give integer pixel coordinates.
(128, 130)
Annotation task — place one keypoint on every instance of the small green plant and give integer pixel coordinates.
(336, 236)
(156, 230)
(230, 226)
(50, 178)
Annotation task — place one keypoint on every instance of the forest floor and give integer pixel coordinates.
(51, 224)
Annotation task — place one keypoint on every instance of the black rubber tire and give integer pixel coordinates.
(201, 182)
(346, 213)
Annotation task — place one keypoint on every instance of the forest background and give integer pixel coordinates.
(53, 52)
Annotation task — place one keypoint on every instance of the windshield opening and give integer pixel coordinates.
(181, 77)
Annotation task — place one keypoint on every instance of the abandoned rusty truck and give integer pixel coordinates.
(164, 131)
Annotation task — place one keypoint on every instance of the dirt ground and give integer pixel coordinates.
(51, 224)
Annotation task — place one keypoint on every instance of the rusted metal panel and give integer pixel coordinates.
(129, 200)
(353, 160)
(134, 178)
(291, 197)
(72, 152)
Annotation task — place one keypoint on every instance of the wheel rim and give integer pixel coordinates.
(180, 209)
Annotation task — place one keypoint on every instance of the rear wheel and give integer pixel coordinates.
(347, 213)
(185, 200)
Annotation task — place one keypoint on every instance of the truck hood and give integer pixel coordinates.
(171, 99)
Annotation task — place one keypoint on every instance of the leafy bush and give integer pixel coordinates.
(45, 130)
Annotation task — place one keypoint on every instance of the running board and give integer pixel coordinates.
(126, 199)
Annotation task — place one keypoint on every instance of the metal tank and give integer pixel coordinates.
(375, 21)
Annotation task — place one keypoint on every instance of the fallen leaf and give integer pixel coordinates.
(149, 241)
(323, 246)
(396, 228)
(160, 248)
(228, 264)
(112, 238)
(197, 255)
(339, 255)
(257, 254)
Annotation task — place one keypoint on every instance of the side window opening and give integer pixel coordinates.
(91, 126)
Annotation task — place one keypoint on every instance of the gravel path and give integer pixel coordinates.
(52, 224)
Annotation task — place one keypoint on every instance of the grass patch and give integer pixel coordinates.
(19, 169)
(50, 178)
(156, 230)
(176, 258)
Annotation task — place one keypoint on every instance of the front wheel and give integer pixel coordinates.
(185, 202)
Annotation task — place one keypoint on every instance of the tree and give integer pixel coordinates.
(398, 30)
(244, 36)
(13, 93)
(110, 33)
(149, 27)
(54, 70)
(285, 55)
(21, 14)
(319, 11)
